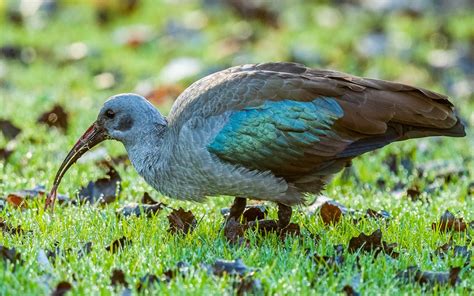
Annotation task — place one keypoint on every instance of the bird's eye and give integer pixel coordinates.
(109, 113)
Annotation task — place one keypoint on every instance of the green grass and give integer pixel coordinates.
(283, 266)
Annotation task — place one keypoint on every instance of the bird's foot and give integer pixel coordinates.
(237, 209)
(284, 215)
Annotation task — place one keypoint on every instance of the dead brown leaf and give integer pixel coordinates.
(103, 190)
(248, 285)
(330, 210)
(253, 213)
(134, 209)
(62, 288)
(17, 201)
(56, 117)
(449, 222)
(430, 278)
(146, 281)
(234, 267)
(181, 221)
(118, 244)
(10, 254)
(9, 130)
(5, 227)
(350, 291)
(234, 231)
(20, 198)
(414, 193)
(448, 249)
(118, 278)
(330, 213)
(181, 269)
(5, 153)
(372, 242)
(377, 215)
(148, 200)
(334, 261)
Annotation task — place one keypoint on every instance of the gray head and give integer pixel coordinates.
(128, 117)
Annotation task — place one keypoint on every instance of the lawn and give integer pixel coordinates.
(78, 53)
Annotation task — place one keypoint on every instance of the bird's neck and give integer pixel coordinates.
(150, 152)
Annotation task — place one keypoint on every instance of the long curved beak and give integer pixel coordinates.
(93, 136)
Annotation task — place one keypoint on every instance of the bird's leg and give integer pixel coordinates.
(284, 215)
(237, 208)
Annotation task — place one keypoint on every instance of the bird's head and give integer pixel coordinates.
(124, 117)
(127, 118)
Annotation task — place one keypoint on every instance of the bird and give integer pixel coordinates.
(271, 131)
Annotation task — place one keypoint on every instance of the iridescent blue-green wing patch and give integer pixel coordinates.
(287, 137)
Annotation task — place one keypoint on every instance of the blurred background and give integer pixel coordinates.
(78, 53)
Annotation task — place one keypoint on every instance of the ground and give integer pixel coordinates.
(62, 55)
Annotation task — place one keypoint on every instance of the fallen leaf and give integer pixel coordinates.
(350, 291)
(118, 244)
(181, 269)
(181, 221)
(62, 288)
(103, 190)
(377, 215)
(334, 261)
(86, 249)
(264, 226)
(56, 117)
(330, 213)
(137, 209)
(5, 153)
(330, 210)
(118, 278)
(448, 249)
(413, 193)
(55, 252)
(430, 278)
(248, 286)
(10, 254)
(5, 227)
(16, 201)
(20, 198)
(253, 213)
(372, 242)
(235, 267)
(291, 229)
(146, 281)
(148, 200)
(9, 130)
(234, 231)
(449, 222)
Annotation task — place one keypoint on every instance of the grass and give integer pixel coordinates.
(283, 266)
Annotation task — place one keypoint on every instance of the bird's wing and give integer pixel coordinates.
(290, 119)
(286, 137)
